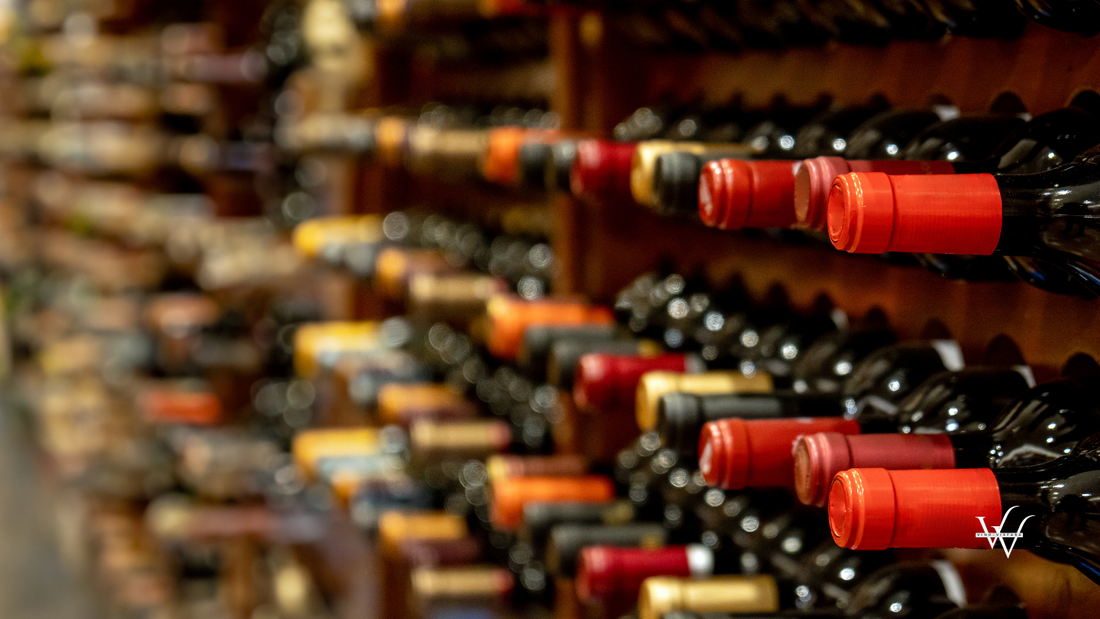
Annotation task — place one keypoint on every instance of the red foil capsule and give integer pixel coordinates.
(601, 170)
(735, 194)
(873, 212)
(610, 382)
(875, 509)
(735, 453)
(607, 571)
(819, 457)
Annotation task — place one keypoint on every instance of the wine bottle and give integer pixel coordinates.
(567, 540)
(653, 385)
(643, 173)
(1045, 508)
(914, 591)
(1011, 215)
(539, 519)
(607, 571)
(963, 402)
(736, 453)
(935, 150)
(510, 496)
(610, 382)
(681, 416)
(904, 589)
(435, 588)
(509, 317)
(737, 194)
(538, 342)
(816, 377)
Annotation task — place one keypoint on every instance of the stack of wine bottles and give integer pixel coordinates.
(281, 372)
(702, 512)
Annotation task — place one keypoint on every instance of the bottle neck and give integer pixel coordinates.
(971, 450)
(1051, 212)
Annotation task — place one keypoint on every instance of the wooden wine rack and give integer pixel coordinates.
(593, 79)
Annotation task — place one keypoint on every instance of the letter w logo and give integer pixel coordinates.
(997, 535)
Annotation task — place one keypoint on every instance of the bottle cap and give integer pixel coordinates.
(653, 385)
(609, 382)
(676, 183)
(510, 316)
(606, 571)
(736, 194)
(601, 170)
(405, 403)
(819, 457)
(872, 212)
(814, 181)
(875, 509)
(679, 422)
(511, 494)
(558, 465)
(726, 594)
(735, 453)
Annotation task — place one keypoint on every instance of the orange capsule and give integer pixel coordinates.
(510, 495)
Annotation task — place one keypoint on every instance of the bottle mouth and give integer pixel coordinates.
(844, 201)
(816, 459)
(812, 185)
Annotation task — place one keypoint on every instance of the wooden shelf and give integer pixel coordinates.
(1044, 69)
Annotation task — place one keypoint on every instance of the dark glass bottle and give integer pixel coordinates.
(1050, 509)
(736, 453)
(1078, 16)
(949, 403)
(1048, 216)
(905, 590)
